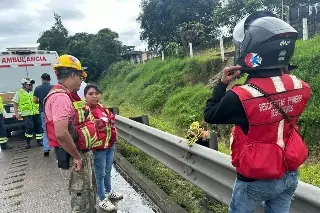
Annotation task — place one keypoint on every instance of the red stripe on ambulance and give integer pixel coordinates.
(25, 65)
(4, 66)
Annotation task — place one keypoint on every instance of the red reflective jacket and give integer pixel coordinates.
(272, 146)
(82, 130)
(107, 136)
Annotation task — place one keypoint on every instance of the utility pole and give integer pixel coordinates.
(282, 4)
(288, 14)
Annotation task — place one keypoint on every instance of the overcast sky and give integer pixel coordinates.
(22, 21)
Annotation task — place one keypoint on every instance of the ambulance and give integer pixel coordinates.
(15, 64)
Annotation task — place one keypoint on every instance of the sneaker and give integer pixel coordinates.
(107, 205)
(114, 195)
(46, 154)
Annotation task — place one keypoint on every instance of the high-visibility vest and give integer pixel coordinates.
(25, 103)
(1, 106)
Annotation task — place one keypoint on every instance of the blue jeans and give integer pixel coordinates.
(103, 160)
(45, 140)
(276, 195)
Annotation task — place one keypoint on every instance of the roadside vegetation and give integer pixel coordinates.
(173, 93)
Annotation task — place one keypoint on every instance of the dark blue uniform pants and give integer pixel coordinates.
(33, 126)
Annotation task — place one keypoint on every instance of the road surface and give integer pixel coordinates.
(30, 183)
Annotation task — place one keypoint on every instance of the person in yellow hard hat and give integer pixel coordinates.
(3, 134)
(66, 116)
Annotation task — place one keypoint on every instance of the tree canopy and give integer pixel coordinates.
(228, 14)
(168, 25)
(97, 52)
(166, 21)
(160, 19)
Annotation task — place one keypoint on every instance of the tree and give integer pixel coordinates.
(174, 49)
(79, 46)
(232, 11)
(105, 49)
(95, 51)
(192, 32)
(159, 19)
(56, 38)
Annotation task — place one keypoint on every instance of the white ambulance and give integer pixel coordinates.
(18, 63)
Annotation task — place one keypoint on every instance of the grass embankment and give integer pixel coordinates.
(173, 94)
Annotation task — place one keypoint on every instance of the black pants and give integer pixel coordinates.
(33, 126)
(3, 133)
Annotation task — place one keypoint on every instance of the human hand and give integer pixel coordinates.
(77, 164)
(230, 73)
(18, 117)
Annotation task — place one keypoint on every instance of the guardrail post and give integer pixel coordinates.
(144, 119)
(115, 110)
(213, 142)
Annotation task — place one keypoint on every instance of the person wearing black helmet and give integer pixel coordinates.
(39, 94)
(266, 147)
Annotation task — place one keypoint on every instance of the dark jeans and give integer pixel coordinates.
(33, 125)
(3, 133)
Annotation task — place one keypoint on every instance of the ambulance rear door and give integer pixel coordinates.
(18, 63)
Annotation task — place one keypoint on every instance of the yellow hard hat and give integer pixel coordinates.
(69, 61)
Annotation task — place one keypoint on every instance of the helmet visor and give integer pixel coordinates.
(238, 31)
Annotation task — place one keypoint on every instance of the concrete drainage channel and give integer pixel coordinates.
(162, 202)
(135, 200)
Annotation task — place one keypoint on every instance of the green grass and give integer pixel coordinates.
(173, 93)
(307, 57)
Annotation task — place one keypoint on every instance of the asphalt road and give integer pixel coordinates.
(31, 183)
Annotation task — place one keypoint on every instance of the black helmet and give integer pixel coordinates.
(263, 42)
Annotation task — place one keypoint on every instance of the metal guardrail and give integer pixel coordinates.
(207, 169)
